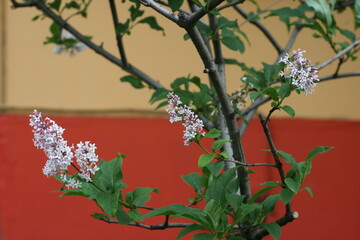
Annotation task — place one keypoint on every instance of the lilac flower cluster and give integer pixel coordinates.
(48, 137)
(86, 159)
(178, 113)
(300, 70)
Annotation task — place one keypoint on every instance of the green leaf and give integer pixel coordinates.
(204, 29)
(109, 177)
(204, 236)
(277, 184)
(286, 195)
(308, 190)
(122, 28)
(140, 196)
(213, 210)
(73, 192)
(176, 85)
(289, 110)
(55, 29)
(162, 104)
(189, 229)
(122, 217)
(135, 82)
(215, 168)
(311, 155)
(151, 21)
(350, 35)
(316, 151)
(258, 193)
(285, 90)
(271, 92)
(270, 72)
(292, 184)
(175, 4)
(233, 43)
(223, 23)
(159, 94)
(357, 13)
(135, 12)
(204, 159)
(274, 229)
(220, 185)
(289, 159)
(213, 133)
(107, 201)
(254, 95)
(219, 144)
(135, 214)
(173, 209)
(194, 180)
(235, 200)
(55, 4)
(270, 202)
(72, 4)
(224, 154)
(323, 9)
(98, 216)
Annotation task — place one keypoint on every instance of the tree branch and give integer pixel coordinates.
(197, 15)
(226, 107)
(339, 75)
(162, 11)
(118, 36)
(250, 164)
(290, 42)
(230, 4)
(341, 53)
(163, 226)
(23, 4)
(288, 217)
(272, 148)
(98, 49)
(261, 27)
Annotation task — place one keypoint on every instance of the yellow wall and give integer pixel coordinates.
(37, 78)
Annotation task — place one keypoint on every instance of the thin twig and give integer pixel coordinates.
(341, 53)
(261, 12)
(255, 105)
(118, 36)
(272, 148)
(144, 207)
(230, 4)
(191, 20)
(339, 75)
(162, 11)
(251, 164)
(262, 28)
(151, 227)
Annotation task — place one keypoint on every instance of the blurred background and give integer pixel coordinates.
(84, 95)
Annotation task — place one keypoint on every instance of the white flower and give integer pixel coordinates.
(193, 125)
(70, 182)
(87, 160)
(48, 137)
(302, 73)
(78, 47)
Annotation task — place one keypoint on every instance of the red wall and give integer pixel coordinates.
(157, 158)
